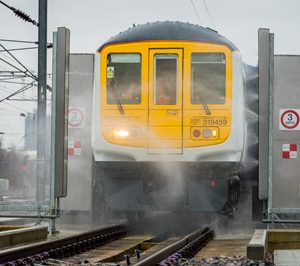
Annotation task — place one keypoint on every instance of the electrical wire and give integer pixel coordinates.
(6, 89)
(21, 14)
(8, 79)
(15, 82)
(5, 79)
(9, 75)
(196, 12)
(6, 62)
(208, 13)
(19, 49)
(27, 70)
(18, 108)
(9, 72)
(8, 40)
(26, 87)
(23, 100)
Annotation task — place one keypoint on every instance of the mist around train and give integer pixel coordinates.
(166, 188)
(166, 193)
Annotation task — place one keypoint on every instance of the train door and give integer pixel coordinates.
(165, 101)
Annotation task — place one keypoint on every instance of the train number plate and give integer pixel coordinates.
(212, 121)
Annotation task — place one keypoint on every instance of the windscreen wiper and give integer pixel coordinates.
(203, 102)
(117, 98)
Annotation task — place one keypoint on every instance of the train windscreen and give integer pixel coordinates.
(165, 72)
(123, 79)
(208, 78)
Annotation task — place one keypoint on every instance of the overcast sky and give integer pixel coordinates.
(92, 22)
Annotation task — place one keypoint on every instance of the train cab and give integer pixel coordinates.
(168, 119)
(168, 88)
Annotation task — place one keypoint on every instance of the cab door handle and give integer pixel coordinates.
(172, 112)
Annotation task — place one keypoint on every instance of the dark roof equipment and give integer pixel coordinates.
(169, 30)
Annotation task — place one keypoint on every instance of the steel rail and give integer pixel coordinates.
(45, 248)
(187, 245)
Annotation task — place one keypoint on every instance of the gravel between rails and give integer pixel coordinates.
(228, 261)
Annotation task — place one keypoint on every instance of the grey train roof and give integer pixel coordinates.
(169, 30)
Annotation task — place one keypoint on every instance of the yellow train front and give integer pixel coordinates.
(168, 98)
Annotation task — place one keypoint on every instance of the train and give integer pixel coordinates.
(168, 125)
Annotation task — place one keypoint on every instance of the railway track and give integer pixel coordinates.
(114, 245)
(109, 246)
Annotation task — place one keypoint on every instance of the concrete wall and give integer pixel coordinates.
(80, 152)
(286, 177)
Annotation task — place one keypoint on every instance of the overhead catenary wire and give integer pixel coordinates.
(27, 70)
(14, 82)
(24, 100)
(18, 49)
(15, 75)
(49, 45)
(19, 13)
(208, 13)
(20, 41)
(15, 67)
(3, 72)
(12, 105)
(26, 87)
(5, 79)
(8, 63)
(24, 72)
(8, 75)
(5, 89)
(196, 12)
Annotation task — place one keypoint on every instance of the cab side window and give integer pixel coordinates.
(123, 79)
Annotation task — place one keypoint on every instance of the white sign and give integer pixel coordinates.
(74, 148)
(76, 117)
(289, 119)
(289, 151)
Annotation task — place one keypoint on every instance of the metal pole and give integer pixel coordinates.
(53, 116)
(271, 105)
(42, 99)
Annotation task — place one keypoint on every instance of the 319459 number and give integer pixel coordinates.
(216, 121)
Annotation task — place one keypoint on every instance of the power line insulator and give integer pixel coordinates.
(24, 16)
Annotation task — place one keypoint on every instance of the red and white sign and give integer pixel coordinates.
(289, 119)
(76, 117)
(74, 148)
(289, 151)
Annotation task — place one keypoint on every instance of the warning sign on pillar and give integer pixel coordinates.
(289, 119)
(289, 151)
(76, 117)
(74, 148)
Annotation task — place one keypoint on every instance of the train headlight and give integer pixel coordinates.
(122, 133)
(126, 133)
(214, 133)
(207, 133)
